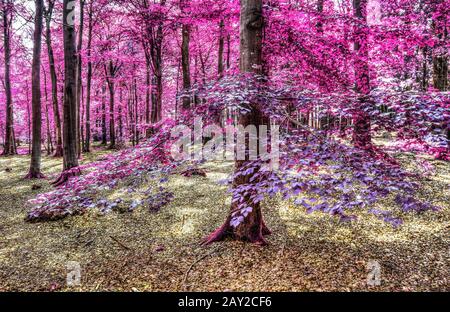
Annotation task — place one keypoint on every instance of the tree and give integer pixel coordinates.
(87, 143)
(252, 228)
(79, 85)
(70, 162)
(48, 12)
(111, 71)
(35, 166)
(361, 131)
(221, 48)
(10, 144)
(185, 59)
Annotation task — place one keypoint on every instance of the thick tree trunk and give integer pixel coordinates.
(156, 55)
(70, 105)
(440, 73)
(362, 125)
(10, 144)
(87, 142)
(54, 81)
(35, 165)
(252, 229)
(185, 60)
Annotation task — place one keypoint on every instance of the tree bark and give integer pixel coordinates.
(47, 118)
(362, 124)
(36, 153)
(221, 48)
(87, 143)
(10, 144)
(70, 167)
(252, 229)
(51, 60)
(185, 61)
(110, 75)
(79, 77)
(104, 139)
(156, 41)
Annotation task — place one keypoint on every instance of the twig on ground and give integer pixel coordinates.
(197, 261)
(120, 243)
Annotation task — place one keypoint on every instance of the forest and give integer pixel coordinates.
(224, 145)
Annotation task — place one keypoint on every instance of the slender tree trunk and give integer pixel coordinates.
(54, 81)
(120, 115)
(47, 117)
(252, 228)
(221, 48)
(136, 113)
(36, 152)
(361, 131)
(10, 145)
(111, 86)
(147, 89)
(185, 61)
(79, 77)
(104, 140)
(87, 143)
(70, 105)
(228, 51)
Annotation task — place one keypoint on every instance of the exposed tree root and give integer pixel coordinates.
(65, 176)
(34, 175)
(254, 235)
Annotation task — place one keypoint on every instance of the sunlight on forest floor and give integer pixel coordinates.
(143, 251)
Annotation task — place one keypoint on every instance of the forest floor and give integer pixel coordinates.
(143, 251)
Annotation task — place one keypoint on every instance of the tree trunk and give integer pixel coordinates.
(147, 89)
(221, 47)
(228, 51)
(185, 62)
(252, 228)
(70, 105)
(47, 118)
(136, 113)
(361, 131)
(10, 144)
(156, 54)
(440, 72)
(111, 87)
(35, 165)
(79, 78)
(104, 140)
(87, 143)
(120, 116)
(51, 60)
